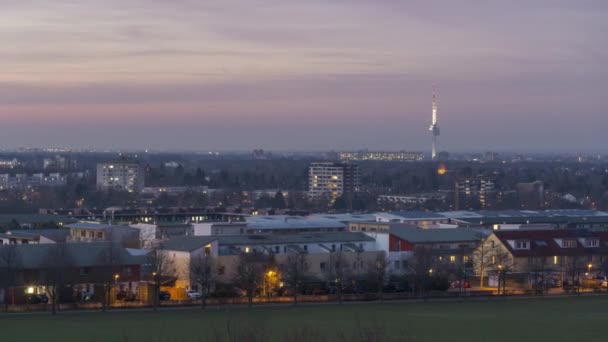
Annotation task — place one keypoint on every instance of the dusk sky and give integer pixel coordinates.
(304, 75)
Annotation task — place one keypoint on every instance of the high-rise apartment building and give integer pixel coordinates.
(332, 180)
(476, 188)
(121, 175)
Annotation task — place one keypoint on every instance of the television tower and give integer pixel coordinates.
(434, 127)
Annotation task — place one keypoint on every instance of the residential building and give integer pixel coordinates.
(475, 191)
(9, 163)
(121, 175)
(403, 202)
(422, 219)
(99, 232)
(151, 234)
(332, 180)
(358, 250)
(279, 224)
(182, 252)
(531, 195)
(557, 255)
(22, 181)
(86, 268)
(444, 247)
(34, 236)
(173, 190)
(402, 156)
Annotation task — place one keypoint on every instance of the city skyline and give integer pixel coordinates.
(287, 75)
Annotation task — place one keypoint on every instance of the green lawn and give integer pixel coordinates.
(545, 319)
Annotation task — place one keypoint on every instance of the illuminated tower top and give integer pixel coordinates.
(434, 120)
(434, 127)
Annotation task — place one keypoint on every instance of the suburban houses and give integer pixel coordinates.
(407, 249)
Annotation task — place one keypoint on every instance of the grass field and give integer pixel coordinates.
(545, 319)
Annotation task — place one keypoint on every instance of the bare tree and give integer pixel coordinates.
(295, 272)
(56, 272)
(250, 273)
(110, 261)
(537, 268)
(10, 263)
(161, 264)
(377, 273)
(575, 265)
(503, 264)
(482, 259)
(203, 273)
(423, 267)
(338, 272)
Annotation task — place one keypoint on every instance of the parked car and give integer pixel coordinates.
(602, 280)
(164, 295)
(87, 297)
(38, 299)
(126, 296)
(194, 295)
(590, 283)
(465, 284)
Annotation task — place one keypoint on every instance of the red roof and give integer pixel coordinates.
(542, 242)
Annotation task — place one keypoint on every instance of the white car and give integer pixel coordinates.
(194, 295)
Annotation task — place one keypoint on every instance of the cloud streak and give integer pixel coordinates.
(286, 64)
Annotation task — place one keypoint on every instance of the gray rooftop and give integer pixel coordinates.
(277, 222)
(57, 235)
(417, 235)
(90, 225)
(281, 239)
(32, 256)
(188, 243)
(413, 215)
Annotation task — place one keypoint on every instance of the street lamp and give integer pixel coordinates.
(116, 276)
(431, 272)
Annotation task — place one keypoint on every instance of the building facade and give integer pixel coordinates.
(402, 156)
(332, 180)
(120, 176)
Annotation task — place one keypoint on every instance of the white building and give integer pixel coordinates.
(121, 176)
(332, 180)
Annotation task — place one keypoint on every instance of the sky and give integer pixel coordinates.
(304, 75)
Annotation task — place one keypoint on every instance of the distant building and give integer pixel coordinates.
(422, 219)
(9, 163)
(173, 190)
(491, 156)
(23, 181)
(408, 201)
(332, 180)
(402, 156)
(120, 175)
(531, 195)
(473, 189)
(34, 236)
(443, 155)
(58, 162)
(260, 154)
(99, 232)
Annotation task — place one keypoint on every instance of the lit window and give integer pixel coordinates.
(569, 243)
(452, 258)
(592, 243)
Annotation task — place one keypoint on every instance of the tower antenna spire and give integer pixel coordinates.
(434, 124)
